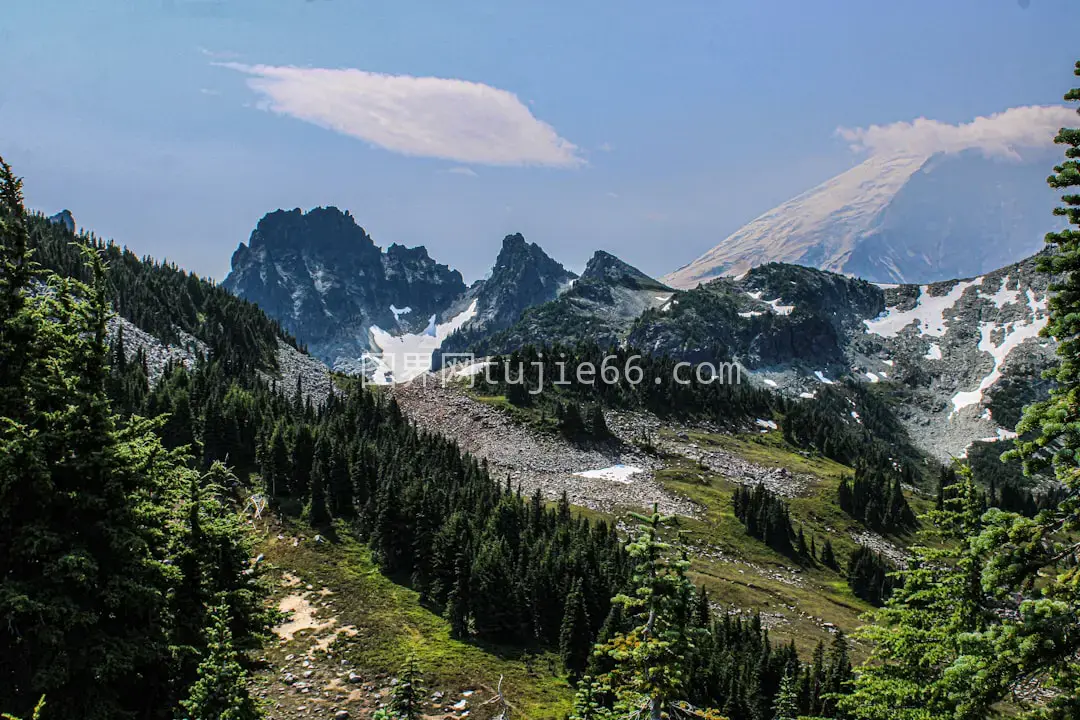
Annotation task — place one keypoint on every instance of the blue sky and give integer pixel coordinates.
(651, 130)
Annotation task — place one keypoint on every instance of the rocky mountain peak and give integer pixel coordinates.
(606, 268)
(524, 275)
(321, 229)
(323, 277)
(65, 219)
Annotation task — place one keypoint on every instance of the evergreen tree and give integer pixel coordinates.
(99, 575)
(1034, 559)
(828, 557)
(927, 639)
(80, 588)
(221, 691)
(575, 635)
(652, 658)
(598, 424)
(787, 700)
(318, 515)
(407, 696)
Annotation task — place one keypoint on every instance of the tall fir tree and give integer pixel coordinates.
(575, 635)
(652, 659)
(1036, 559)
(221, 691)
(927, 641)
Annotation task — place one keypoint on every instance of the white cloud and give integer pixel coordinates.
(461, 170)
(421, 116)
(1000, 134)
(613, 195)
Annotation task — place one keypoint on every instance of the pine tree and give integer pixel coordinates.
(406, 699)
(575, 638)
(598, 424)
(828, 557)
(1044, 549)
(317, 513)
(786, 706)
(651, 659)
(926, 640)
(221, 691)
(80, 615)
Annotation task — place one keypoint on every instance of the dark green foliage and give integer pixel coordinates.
(828, 558)
(407, 697)
(162, 299)
(827, 425)
(113, 546)
(869, 575)
(555, 376)
(221, 692)
(575, 634)
(875, 497)
(765, 517)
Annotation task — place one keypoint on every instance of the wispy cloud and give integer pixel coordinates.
(422, 116)
(217, 54)
(1000, 134)
(462, 170)
(613, 195)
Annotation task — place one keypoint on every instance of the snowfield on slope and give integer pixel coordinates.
(928, 313)
(828, 219)
(402, 358)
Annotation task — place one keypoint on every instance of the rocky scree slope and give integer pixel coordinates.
(957, 359)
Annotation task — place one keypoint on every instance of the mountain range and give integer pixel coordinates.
(960, 356)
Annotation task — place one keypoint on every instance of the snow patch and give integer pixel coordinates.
(821, 376)
(806, 395)
(770, 383)
(398, 312)
(404, 357)
(934, 353)
(615, 473)
(1003, 297)
(780, 309)
(473, 369)
(767, 424)
(1015, 334)
(751, 313)
(928, 314)
(873, 377)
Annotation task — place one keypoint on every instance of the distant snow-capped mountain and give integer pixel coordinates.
(901, 218)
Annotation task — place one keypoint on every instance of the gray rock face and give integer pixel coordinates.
(600, 307)
(65, 219)
(523, 276)
(325, 280)
(774, 316)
